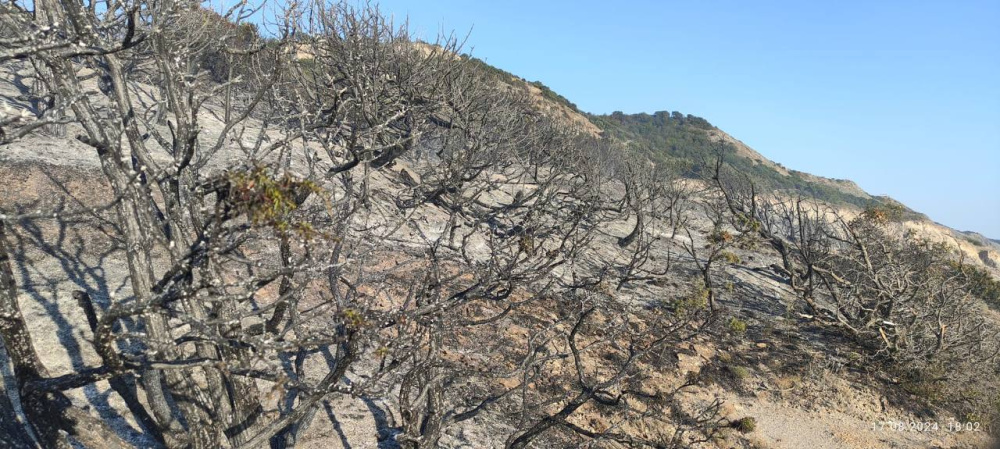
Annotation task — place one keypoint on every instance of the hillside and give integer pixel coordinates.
(762, 363)
(689, 144)
(341, 238)
(686, 143)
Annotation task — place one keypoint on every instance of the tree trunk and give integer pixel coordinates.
(628, 239)
(12, 433)
(125, 386)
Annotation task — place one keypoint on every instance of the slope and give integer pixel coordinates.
(689, 143)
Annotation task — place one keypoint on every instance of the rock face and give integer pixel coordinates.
(989, 258)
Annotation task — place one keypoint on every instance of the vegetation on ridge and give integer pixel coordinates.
(682, 141)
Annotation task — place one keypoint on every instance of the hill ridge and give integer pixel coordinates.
(686, 141)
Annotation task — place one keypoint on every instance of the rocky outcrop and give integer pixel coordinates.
(990, 258)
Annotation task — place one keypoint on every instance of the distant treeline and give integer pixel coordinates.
(682, 141)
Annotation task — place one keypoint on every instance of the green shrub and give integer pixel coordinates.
(739, 372)
(730, 257)
(737, 326)
(268, 199)
(746, 424)
(696, 300)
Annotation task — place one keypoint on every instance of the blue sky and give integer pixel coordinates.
(901, 97)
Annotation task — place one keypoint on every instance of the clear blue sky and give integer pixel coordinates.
(901, 97)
